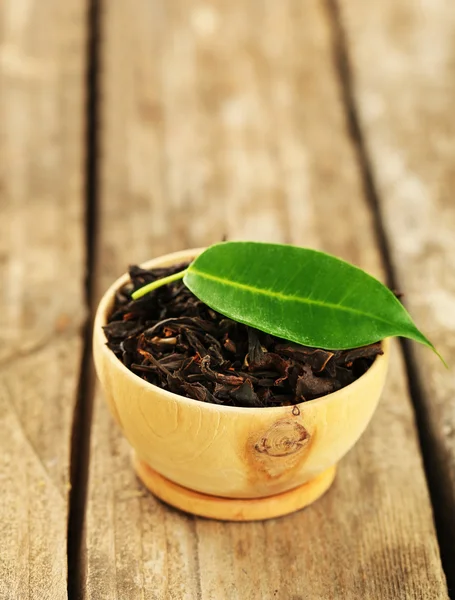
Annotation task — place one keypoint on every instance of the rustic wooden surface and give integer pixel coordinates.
(41, 296)
(217, 119)
(406, 112)
(227, 118)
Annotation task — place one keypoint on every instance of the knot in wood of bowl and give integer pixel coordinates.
(283, 438)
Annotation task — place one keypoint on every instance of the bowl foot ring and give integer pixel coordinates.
(233, 509)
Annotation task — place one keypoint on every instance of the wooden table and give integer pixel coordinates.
(131, 129)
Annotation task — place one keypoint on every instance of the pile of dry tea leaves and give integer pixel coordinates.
(175, 341)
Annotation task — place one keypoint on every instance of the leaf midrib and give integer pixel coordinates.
(284, 297)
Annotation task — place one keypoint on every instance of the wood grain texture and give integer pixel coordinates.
(406, 111)
(41, 293)
(226, 118)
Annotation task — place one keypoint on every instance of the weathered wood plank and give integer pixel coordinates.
(41, 296)
(405, 106)
(227, 118)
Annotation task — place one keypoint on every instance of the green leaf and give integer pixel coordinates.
(298, 294)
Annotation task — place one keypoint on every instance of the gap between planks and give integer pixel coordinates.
(80, 439)
(441, 496)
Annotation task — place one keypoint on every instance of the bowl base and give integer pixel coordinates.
(233, 509)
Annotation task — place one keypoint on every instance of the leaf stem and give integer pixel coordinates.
(157, 284)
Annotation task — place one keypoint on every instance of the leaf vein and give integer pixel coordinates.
(285, 297)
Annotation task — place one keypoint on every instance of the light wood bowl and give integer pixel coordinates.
(225, 462)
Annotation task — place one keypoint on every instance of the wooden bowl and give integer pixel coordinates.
(225, 462)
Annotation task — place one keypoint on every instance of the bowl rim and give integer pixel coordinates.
(100, 342)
